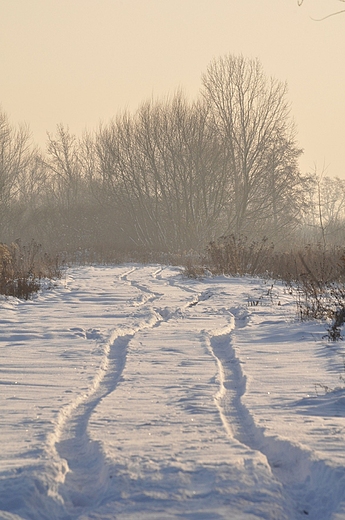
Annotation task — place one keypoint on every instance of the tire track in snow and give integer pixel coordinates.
(166, 312)
(73, 453)
(69, 447)
(312, 488)
(71, 440)
(82, 472)
(146, 294)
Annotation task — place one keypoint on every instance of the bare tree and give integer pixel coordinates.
(325, 218)
(70, 163)
(186, 167)
(15, 157)
(166, 165)
(63, 161)
(251, 115)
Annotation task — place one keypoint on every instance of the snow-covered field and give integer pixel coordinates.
(130, 392)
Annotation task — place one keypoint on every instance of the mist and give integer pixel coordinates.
(173, 175)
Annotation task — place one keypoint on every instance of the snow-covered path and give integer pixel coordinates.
(129, 392)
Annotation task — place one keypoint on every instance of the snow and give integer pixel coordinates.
(131, 392)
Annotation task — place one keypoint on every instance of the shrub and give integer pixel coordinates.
(237, 255)
(22, 269)
(315, 273)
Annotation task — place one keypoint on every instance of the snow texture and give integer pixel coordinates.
(131, 392)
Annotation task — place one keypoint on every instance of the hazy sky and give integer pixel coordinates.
(79, 62)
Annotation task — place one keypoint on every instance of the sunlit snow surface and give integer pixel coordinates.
(131, 392)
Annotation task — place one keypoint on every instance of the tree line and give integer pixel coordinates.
(172, 176)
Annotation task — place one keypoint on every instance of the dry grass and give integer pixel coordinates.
(236, 255)
(316, 273)
(22, 268)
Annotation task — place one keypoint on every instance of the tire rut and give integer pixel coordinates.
(309, 484)
(70, 446)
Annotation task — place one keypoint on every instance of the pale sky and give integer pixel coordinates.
(80, 62)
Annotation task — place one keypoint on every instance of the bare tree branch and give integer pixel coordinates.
(329, 15)
(300, 2)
